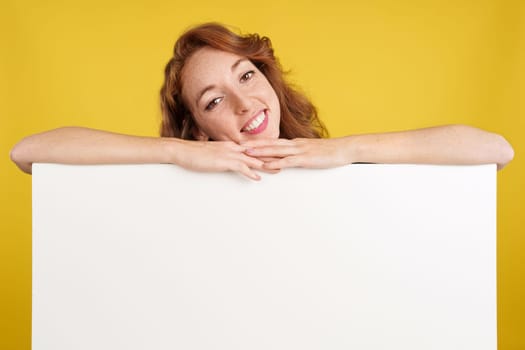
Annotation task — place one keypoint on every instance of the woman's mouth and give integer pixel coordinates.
(257, 124)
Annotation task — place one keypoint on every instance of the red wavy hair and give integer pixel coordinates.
(298, 115)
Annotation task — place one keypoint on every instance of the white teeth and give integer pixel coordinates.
(255, 123)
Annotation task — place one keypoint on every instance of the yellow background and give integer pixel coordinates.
(368, 65)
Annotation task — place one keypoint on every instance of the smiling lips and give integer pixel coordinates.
(257, 124)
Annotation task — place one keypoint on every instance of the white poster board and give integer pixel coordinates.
(360, 257)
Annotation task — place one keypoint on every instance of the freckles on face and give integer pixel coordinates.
(229, 98)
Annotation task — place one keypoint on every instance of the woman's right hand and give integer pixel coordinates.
(216, 156)
(78, 145)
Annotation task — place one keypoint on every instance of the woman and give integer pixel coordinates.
(226, 107)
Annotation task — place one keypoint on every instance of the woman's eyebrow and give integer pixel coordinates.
(209, 87)
(238, 62)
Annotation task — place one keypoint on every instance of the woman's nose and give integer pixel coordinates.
(243, 102)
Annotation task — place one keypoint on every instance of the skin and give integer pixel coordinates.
(239, 93)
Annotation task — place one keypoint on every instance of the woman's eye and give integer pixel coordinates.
(213, 103)
(247, 76)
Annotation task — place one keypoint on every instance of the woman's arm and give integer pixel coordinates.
(77, 145)
(451, 144)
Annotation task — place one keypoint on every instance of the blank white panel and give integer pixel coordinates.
(359, 257)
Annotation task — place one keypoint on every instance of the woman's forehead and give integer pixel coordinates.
(209, 60)
(206, 66)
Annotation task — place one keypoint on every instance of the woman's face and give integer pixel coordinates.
(229, 98)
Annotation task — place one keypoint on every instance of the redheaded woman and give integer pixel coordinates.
(227, 107)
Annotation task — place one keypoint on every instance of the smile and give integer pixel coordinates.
(257, 124)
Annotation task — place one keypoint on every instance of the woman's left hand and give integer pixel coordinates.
(301, 152)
